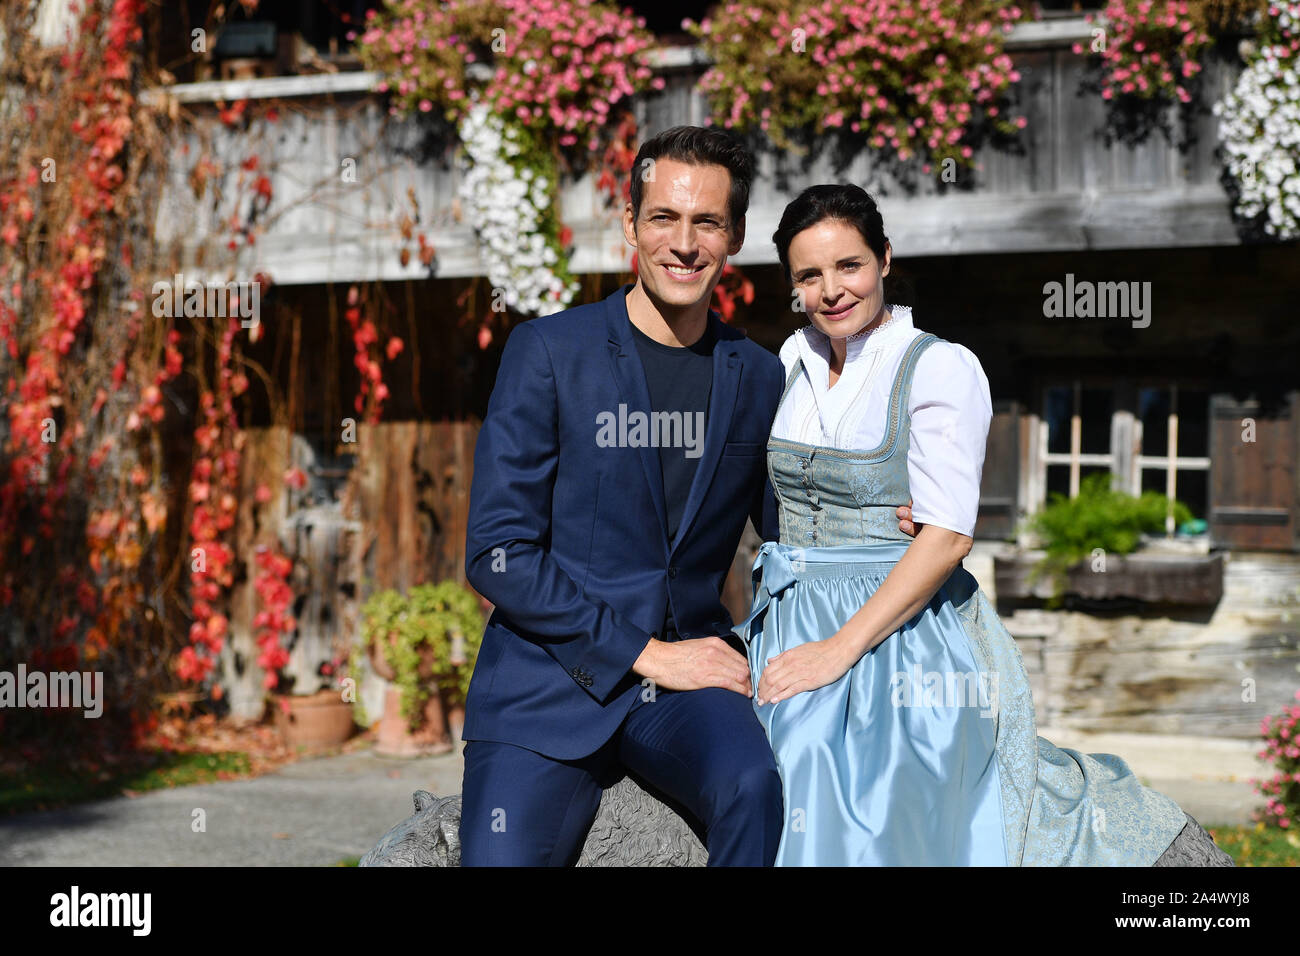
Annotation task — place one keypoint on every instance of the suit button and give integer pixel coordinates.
(672, 572)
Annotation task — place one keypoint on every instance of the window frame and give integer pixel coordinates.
(1125, 459)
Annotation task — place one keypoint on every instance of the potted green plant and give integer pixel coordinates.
(424, 642)
(1089, 546)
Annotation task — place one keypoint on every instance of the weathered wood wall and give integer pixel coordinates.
(1069, 188)
(398, 521)
(413, 494)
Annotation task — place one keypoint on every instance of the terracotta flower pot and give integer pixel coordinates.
(394, 737)
(385, 670)
(314, 721)
(455, 719)
(379, 663)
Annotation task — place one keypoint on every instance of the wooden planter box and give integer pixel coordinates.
(1156, 578)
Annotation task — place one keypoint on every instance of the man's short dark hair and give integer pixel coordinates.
(699, 146)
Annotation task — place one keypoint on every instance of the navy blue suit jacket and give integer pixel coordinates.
(569, 539)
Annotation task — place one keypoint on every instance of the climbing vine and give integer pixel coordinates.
(83, 363)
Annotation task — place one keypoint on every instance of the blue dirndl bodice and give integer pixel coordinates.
(926, 752)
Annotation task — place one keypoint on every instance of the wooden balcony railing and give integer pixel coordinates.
(1066, 189)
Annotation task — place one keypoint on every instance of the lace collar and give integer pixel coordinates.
(898, 323)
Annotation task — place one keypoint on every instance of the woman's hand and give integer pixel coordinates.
(802, 668)
(909, 586)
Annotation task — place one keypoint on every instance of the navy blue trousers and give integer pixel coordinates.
(703, 749)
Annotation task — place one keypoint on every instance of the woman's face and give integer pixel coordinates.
(837, 276)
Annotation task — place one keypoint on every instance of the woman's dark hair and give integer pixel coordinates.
(847, 203)
(699, 146)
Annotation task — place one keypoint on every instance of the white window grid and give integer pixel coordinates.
(1124, 459)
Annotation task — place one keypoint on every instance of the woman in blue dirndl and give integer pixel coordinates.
(895, 701)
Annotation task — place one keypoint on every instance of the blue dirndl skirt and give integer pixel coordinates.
(925, 753)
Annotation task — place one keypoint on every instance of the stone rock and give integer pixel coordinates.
(633, 827)
(1193, 847)
(428, 837)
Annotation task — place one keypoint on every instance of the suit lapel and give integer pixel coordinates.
(634, 392)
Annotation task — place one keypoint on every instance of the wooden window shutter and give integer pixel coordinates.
(1253, 491)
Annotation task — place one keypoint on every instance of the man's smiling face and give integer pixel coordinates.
(684, 234)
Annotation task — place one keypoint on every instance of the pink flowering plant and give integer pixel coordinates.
(1148, 49)
(912, 79)
(1282, 792)
(559, 67)
(1152, 51)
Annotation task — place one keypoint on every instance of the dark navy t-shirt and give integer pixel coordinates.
(679, 380)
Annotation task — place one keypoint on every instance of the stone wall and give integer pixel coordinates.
(1197, 671)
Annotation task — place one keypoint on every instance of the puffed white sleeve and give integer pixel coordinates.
(951, 410)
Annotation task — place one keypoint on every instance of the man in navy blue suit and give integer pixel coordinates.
(624, 447)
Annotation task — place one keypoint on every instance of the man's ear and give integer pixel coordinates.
(738, 239)
(629, 225)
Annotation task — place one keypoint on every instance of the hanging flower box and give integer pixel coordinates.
(1156, 578)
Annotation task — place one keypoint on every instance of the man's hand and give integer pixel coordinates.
(905, 524)
(694, 663)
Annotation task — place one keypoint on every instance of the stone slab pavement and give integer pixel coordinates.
(318, 811)
(314, 812)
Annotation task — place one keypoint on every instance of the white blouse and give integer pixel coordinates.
(949, 404)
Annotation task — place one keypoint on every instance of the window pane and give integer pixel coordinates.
(1058, 477)
(1058, 404)
(1193, 425)
(1098, 405)
(1058, 480)
(1192, 491)
(1153, 479)
(1153, 409)
(1086, 470)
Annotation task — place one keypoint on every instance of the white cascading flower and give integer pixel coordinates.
(1260, 131)
(506, 206)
